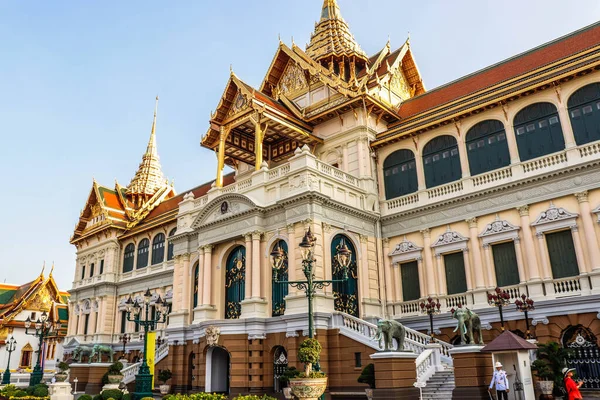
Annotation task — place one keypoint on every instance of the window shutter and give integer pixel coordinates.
(562, 254)
(456, 280)
(410, 281)
(505, 264)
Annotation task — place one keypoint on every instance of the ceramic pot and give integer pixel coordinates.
(308, 388)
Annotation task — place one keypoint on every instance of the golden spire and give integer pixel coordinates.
(149, 177)
(332, 36)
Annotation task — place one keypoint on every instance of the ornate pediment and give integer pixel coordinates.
(405, 251)
(553, 214)
(293, 81)
(223, 207)
(240, 103)
(449, 237)
(499, 230)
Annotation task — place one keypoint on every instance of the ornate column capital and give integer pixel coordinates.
(385, 242)
(256, 235)
(326, 227)
(200, 250)
(438, 256)
(425, 232)
(486, 246)
(574, 228)
(582, 197)
(465, 250)
(247, 236)
(517, 240)
(208, 248)
(363, 238)
(523, 210)
(540, 235)
(185, 257)
(290, 228)
(472, 222)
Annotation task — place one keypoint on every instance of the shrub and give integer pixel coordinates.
(8, 391)
(63, 366)
(147, 398)
(552, 359)
(289, 373)
(164, 375)
(126, 396)
(115, 368)
(40, 391)
(368, 376)
(97, 397)
(85, 397)
(20, 393)
(254, 397)
(114, 394)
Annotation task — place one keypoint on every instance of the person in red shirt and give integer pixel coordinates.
(571, 386)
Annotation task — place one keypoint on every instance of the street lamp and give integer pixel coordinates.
(525, 304)
(143, 380)
(11, 345)
(124, 338)
(159, 341)
(310, 285)
(43, 329)
(499, 298)
(431, 308)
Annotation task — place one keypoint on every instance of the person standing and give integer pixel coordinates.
(570, 385)
(501, 381)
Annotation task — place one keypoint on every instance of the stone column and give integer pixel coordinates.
(327, 256)
(207, 283)
(200, 294)
(565, 123)
(439, 263)
(533, 270)
(256, 235)
(361, 155)
(468, 272)
(477, 266)
(185, 298)
(579, 250)
(421, 276)
(387, 271)
(429, 264)
(364, 267)
(462, 152)
(421, 185)
(248, 276)
(547, 273)
(92, 322)
(81, 321)
(520, 265)
(291, 231)
(591, 239)
(399, 293)
(345, 157)
(489, 260)
(511, 138)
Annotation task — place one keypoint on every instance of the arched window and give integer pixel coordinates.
(441, 161)
(400, 174)
(279, 291)
(158, 249)
(170, 245)
(128, 258)
(196, 278)
(142, 254)
(235, 278)
(583, 354)
(584, 111)
(538, 131)
(345, 293)
(487, 149)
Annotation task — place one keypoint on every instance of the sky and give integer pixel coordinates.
(78, 81)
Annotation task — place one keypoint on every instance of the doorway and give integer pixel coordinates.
(217, 370)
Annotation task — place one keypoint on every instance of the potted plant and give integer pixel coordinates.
(545, 375)
(548, 367)
(163, 376)
(309, 385)
(368, 376)
(62, 375)
(114, 373)
(284, 380)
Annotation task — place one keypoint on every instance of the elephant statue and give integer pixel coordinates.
(468, 322)
(389, 330)
(81, 351)
(99, 349)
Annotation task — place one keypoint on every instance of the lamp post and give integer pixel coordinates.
(43, 329)
(159, 341)
(11, 345)
(310, 285)
(431, 308)
(143, 380)
(124, 338)
(499, 298)
(525, 304)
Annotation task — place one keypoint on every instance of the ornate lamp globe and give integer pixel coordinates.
(344, 255)
(306, 246)
(44, 316)
(38, 324)
(277, 257)
(136, 307)
(147, 296)
(27, 323)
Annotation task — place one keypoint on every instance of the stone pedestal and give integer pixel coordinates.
(395, 374)
(60, 391)
(254, 308)
(298, 303)
(89, 376)
(204, 313)
(472, 372)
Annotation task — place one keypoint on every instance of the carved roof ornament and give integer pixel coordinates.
(449, 237)
(405, 246)
(498, 226)
(240, 103)
(554, 214)
(212, 335)
(293, 81)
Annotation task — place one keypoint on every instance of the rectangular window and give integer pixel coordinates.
(404, 167)
(357, 360)
(472, 146)
(598, 105)
(101, 267)
(91, 270)
(520, 131)
(505, 264)
(446, 154)
(456, 280)
(575, 113)
(436, 158)
(553, 120)
(83, 272)
(492, 139)
(427, 160)
(587, 109)
(530, 127)
(86, 323)
(454, 152)
(387, 172)
(562, 254)
(123, 321)
(152, 312)
(501, 137)
(480, 143)
(543, 124)
(409, 273)
(137, 327)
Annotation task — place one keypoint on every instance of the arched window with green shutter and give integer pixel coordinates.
(171, 245)
(158, 249)
(196, 281)
(128, 256)
(538, 131)
(584, 112)
(400, 174)
(345, 293)
(142, 254)
(487, 148)
(279, 291)
(441, 161)
(235, 278)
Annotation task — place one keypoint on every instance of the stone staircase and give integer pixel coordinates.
(439, 386)
(131, 370)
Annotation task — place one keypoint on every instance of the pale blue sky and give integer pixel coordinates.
(78, 81)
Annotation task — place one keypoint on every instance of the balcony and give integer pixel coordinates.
(514, 173)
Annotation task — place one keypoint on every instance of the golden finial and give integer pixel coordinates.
(231, 69)
(293, 44)
(408, 38)
(43, 268)
(279, 38)
(51, 270)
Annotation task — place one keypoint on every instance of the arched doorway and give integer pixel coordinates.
(26, 353)
(235, 278)
(280, 363)
(345, 293)
(280, 290)
(585, 354)
(217, 370)
(191, 368)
